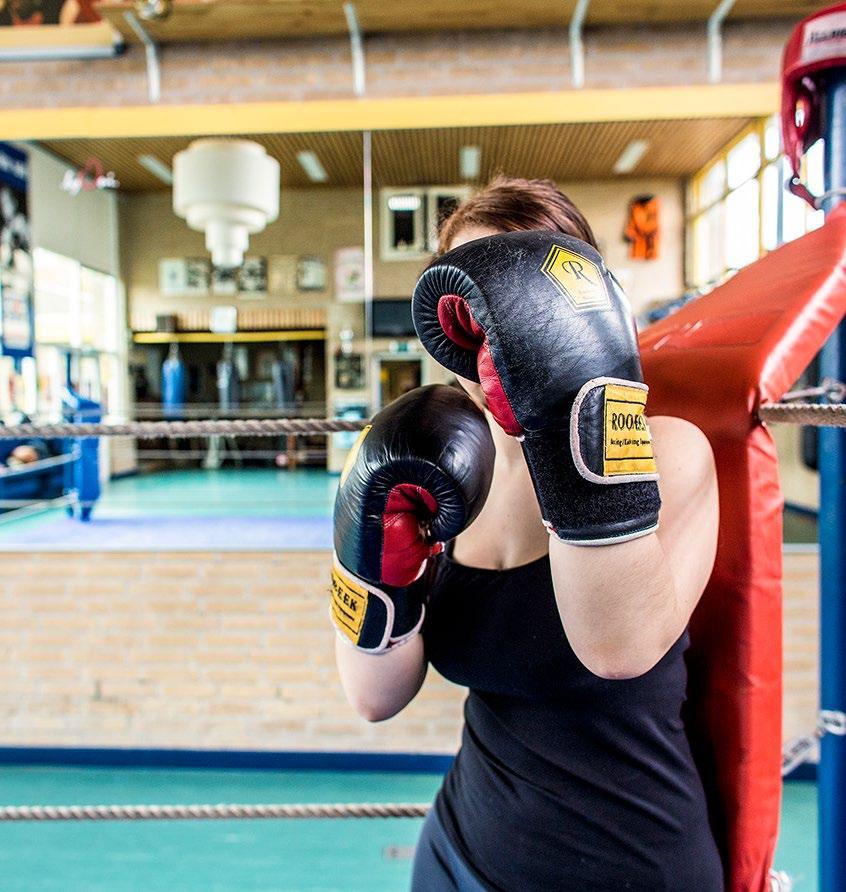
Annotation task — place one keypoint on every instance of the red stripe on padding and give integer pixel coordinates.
(459, 326)
(404, 547)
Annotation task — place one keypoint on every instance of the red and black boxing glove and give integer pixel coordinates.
(417, 476)
(543, 326)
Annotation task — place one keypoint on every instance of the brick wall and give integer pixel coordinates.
(398, 65)
(233, 650)
(186, 650)
(801, 640)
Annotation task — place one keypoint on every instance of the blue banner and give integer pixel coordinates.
(17, 324)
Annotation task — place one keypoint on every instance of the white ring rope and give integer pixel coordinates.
(818, 415)
(210, 812)
(145, 430)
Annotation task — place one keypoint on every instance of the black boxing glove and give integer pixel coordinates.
(417, 476)
(543, 326)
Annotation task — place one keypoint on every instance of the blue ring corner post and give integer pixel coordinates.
(85, 470)
(832, 519)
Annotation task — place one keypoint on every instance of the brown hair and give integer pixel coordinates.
(511, 204)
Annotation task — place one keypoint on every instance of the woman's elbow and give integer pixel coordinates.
(373, 711)
(374, 704)
(621, 664)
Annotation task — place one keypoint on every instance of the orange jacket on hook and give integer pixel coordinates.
(642, 227)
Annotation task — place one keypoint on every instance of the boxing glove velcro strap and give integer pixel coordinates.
(365, 615)
(578, 511)
(609, 435)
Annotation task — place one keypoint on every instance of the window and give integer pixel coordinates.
(410, 219)
(78, 327)
(738, 207)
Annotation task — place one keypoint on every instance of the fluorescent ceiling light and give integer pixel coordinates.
(403, 202)
(310, 163)
(156, 168)
(630, 156)
(469, 162)
(80, 52)
(57, 53)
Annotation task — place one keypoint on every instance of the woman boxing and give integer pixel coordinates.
(570, 573)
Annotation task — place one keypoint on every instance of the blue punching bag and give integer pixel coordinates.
(228, 385)
(173, 384)
(85, 471)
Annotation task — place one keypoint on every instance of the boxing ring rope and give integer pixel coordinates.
(41, 464)
(795, 753)
(815, 414)
(146, 430)
(220, 812)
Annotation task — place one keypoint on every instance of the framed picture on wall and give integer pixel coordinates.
(349, 371)
(252, 277)
(173, 276)
(349, 275)
(179, 276)
(197, 275)
(311, 274)
(225, 280)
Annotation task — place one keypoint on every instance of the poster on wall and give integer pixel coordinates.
(349, 275)
(14, 13)
(16, 311)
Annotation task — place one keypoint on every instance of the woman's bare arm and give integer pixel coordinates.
(378, 686)
(623, 606)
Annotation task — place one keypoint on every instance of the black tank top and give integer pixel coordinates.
(564, 780)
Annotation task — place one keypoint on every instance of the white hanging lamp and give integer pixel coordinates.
(228, 189)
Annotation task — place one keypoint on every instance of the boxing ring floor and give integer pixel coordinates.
(300, 856)
(254, 508)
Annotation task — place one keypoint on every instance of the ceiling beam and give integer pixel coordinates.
(400, 113)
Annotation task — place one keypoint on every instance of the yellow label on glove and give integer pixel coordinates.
(349, 604)
(577, 278)
(353, 454)
(628, 443)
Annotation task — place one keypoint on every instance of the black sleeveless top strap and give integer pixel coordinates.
(564, 780)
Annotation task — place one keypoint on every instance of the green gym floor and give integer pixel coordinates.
(306, 492)
(227, 509)
(294, 856)
(300, 497)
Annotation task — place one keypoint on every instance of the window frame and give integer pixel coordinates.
(695, 210)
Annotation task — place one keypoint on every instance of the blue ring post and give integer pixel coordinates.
(832, 449)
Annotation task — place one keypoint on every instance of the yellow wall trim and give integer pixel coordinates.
(207, 337)
(395, 113)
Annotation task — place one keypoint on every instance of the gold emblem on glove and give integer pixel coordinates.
(349, 604)
(577, 278)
